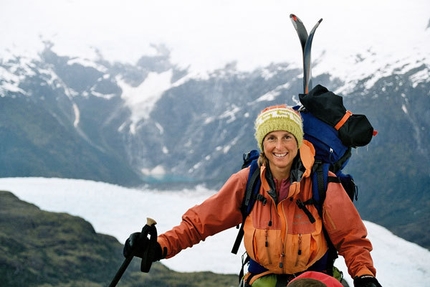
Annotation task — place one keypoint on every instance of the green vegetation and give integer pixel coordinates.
(39, 248)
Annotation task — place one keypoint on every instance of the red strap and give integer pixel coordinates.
(343, 120)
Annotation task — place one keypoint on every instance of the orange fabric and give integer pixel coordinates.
(280, 236)
(343, 120)
(347, 231)
(290, 228)
(217, 213)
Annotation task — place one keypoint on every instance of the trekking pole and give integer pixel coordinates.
(150, 225)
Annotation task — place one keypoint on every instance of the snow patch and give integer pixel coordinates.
(160, 128)
(77, 115)
(231, 114)
(157, 171)
(86, 63)
(141, 99)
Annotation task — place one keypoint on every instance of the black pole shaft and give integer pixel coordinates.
(121, 271)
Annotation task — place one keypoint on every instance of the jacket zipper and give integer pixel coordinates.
(299, 251)
(267, 245)
(282, 255)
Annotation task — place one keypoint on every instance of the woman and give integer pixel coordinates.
(278, 236)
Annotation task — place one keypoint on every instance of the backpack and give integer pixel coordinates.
(333, 131)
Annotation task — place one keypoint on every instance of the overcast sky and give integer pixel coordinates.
(207, 33)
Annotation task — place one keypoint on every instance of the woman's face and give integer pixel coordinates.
(280, 148)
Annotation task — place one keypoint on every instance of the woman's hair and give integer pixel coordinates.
(306, 282)
(262, 160)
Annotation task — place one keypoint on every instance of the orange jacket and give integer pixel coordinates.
(289, 243)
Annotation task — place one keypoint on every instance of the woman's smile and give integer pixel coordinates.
(280, 148)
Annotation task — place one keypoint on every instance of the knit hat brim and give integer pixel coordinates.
(278, 118)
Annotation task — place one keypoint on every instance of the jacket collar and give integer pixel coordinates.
(302, 168)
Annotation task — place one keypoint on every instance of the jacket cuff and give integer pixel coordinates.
(364, 271)
(163, 248)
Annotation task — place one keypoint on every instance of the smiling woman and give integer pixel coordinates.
(284, 232)
(279, 134)
(280, 148)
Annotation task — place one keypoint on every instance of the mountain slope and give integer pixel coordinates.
(152, 123)
(44, 248)
(41, 248)
(39, 123)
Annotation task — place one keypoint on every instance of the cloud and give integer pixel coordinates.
(207, 34)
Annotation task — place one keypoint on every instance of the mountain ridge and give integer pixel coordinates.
(63, 117)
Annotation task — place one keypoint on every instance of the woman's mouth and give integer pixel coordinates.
(280, 154)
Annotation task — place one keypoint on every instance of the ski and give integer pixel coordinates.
(300, 29)
(306, 43)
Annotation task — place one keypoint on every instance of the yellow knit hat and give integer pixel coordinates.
(278, 118)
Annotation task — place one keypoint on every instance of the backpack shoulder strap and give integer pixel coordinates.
(252, 188)
(320, 179)
(319, 183)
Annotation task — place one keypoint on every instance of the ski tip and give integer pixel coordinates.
(294, 18)
(320, 20)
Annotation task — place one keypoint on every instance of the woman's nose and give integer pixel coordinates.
(278, 144)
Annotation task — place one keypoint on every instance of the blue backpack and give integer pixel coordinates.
(333, 131)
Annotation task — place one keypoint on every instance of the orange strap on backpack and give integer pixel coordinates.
(343, 120)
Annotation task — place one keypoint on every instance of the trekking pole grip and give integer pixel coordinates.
(149, 253)
(150, 224)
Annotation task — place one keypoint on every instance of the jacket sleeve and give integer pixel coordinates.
(217, 213)
(347, 231)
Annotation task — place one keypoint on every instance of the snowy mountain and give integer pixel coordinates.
(119, 211)
(173, 105)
